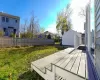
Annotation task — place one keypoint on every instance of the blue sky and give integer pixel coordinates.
(44, 10)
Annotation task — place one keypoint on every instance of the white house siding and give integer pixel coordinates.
(77, 40)
(68, 38)
(11, 23)
(97, 35)
(71, 38)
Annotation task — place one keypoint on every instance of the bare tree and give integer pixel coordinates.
(68, 11)
(25, 25)
(82, 13)
(34, 25)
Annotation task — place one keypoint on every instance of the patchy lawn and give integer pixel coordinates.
(15, 62)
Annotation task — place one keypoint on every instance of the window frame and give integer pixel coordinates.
(7, 19)
(3, 19)
(16, 21)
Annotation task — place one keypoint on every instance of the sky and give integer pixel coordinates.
(45, 11)
(76, 19)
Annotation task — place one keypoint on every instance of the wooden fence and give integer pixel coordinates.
(10, 42)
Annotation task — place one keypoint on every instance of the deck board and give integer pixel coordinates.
(66, 61)
(69, 66)
(65, 58)
(81, 70)
(76, 64)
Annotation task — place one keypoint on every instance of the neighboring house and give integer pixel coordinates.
(9, 24)
(71, 38)
(46, 33)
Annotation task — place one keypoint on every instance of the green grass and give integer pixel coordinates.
(15, 62)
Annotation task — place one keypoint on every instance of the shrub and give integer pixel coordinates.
(12, 35)
(57, 39)
(26, 35)
(1, 33)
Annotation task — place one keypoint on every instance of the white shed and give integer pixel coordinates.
(71, 38)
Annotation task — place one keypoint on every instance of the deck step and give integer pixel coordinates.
(65, 58)
(60, 59)
(64, 64)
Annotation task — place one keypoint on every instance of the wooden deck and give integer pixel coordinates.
(68, 65)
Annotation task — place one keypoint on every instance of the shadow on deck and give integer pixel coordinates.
(92, 74)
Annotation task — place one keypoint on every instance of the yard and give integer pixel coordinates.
(15, 62)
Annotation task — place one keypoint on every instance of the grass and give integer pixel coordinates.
(15, 62)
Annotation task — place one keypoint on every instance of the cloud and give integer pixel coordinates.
(51, 28)
(77, 20)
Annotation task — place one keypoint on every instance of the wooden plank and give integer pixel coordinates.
(66, 61)
(67, 75)
(76, 64)
(42, 69)
(48, 66)
(61, 61)
(81, 70)
(70, 64)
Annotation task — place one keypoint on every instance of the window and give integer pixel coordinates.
(7, 19)
(16, 21)
(4, 29)
(3, 19)
(14, 31)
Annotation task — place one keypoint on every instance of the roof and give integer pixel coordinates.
(72, 31)
(47, 33)
(9, 15)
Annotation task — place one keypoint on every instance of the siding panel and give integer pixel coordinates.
(97, 34)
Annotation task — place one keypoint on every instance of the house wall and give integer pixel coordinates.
(97, 36)
(71, 38)
(77, 40)
(11, 23)
(68, 38)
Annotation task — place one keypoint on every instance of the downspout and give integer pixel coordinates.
(88, 26)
